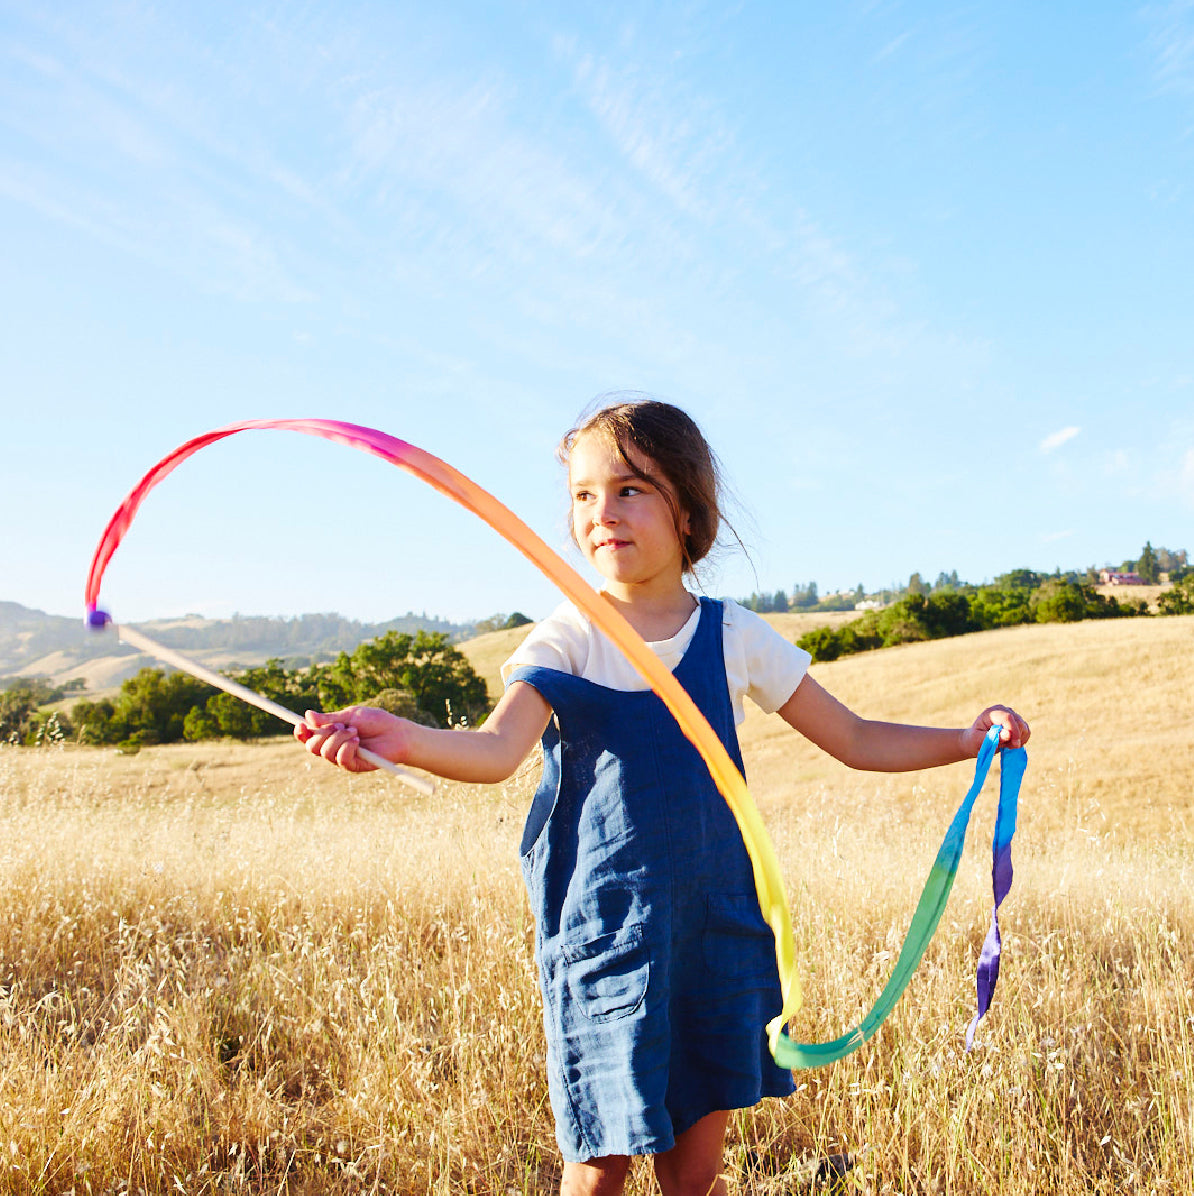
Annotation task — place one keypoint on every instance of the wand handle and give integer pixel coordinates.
(127, 635)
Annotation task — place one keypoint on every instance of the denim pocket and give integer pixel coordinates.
(738, 946)
(608, 976)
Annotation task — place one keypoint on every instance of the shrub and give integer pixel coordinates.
(1180, 599)
(401, 702)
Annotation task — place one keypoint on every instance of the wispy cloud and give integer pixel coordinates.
(679, 143)
(892, 46)
(1056, 439)
(108, 149)
(1052, 537)
(1171, 41)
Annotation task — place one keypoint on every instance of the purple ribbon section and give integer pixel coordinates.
(1012, 763)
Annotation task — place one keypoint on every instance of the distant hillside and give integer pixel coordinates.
(29, 634)
(33, 642)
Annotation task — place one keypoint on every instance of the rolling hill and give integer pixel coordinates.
(33, 643)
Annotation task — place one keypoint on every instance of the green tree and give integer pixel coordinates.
(1180, 599)
(155, 703)
(1148, 566)
(1175, 563)
(804, 596)
(1065, 601)
(1018, 579)
(16, 706)
(828, 643)
(1059, 603)
(97, 722)
(292, 688)
(402, 703)
(198, 724)
(425, 665)
(993, 606)
(238, 720)
(333, 683)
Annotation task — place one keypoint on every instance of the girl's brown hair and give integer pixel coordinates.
(691, 481)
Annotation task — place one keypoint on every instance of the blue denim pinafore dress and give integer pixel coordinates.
(657, 970)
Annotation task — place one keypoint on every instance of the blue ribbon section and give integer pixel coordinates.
(1012, 763)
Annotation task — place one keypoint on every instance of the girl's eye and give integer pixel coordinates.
(626, 491)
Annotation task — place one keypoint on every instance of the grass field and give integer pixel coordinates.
(229, 968)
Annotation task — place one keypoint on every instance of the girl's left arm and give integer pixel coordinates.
(891, 747)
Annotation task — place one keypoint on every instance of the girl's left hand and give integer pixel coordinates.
(1015, 732)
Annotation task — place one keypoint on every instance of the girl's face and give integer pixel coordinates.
(622, 522)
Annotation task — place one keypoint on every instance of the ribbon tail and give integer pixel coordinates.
(1012, 763)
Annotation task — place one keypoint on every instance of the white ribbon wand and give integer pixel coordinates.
(128, 636)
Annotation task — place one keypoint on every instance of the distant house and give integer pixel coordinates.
(868, 604)
(1109, 578)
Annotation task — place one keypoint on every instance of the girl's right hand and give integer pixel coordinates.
(484, 754)
(338, 734)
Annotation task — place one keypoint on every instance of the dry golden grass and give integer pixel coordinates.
(1148, 594)
(794, 624)
(231, 969)
(486, 653)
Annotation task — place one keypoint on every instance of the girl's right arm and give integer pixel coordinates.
(488, 754)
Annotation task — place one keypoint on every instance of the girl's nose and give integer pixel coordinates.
(606, 511)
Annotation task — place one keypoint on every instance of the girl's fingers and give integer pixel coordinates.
(336, 743)
(1015, 731)
(340, 738)
(346, 755)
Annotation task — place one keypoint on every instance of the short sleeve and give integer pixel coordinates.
(760, 662)
(561, 642)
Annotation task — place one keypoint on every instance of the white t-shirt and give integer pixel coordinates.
(759, 661)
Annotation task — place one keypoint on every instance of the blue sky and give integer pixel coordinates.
(922, 273)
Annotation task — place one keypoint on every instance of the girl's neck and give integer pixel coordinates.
(654, 615)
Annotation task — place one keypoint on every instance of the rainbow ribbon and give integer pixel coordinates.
(930, 907)
(729, 781)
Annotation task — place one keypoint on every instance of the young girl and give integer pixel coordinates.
(657, 970)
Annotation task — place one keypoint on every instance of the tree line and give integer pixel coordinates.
(20, 700)
(420, 676)
(805, 597)
(1021, 596)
